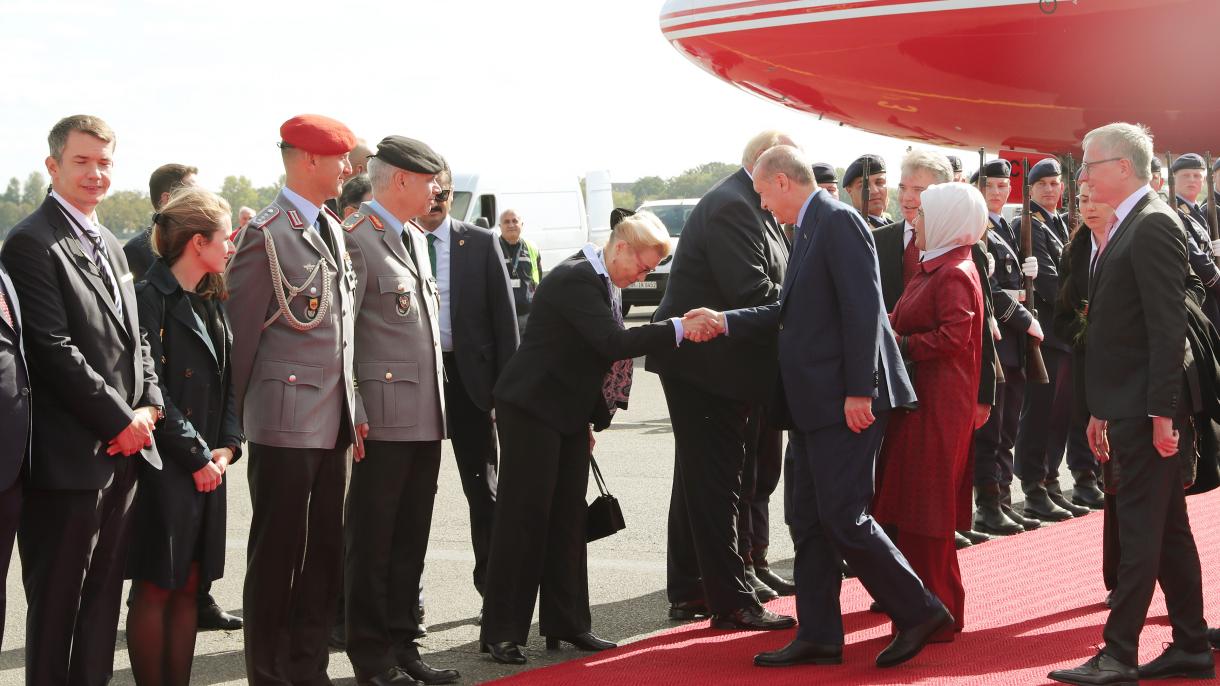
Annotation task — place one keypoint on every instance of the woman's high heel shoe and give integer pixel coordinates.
(586, 641)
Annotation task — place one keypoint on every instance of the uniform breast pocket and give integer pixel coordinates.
(399, 299)
(287, 393)
(390, 391)
(308, 301)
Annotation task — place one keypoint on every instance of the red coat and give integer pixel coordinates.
(923, 467)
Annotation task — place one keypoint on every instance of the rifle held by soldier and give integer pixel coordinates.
(1035, 367)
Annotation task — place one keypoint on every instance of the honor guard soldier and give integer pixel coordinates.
(1042, 435)
(1189, 176)
(1158, 179)
(993, 442)
(955, 163)
(291, 290)
(825, 176)
(878, 194)
(400, 416)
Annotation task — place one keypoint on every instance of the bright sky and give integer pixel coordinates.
(568, 86)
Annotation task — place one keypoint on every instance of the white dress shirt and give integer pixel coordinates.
(87, 243)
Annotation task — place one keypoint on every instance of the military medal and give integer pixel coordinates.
(312, 310)
(404, 303)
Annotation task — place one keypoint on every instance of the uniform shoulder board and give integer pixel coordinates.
(270, 212)
(350, 224)
(332, 214)
(376, 222)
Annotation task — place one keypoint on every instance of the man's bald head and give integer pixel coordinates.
(359, 157)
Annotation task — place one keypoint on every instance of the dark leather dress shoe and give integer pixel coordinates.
(752, 619)
(992, 520)
(908, 642)
(762, 591)
(1101, 670)
(800, 652)
(212, 618)
(1027, 523)
(505, 652)
(778, 583)
(875, 607)
(391, 677)
(1175, 662)
(423, 672)
(688, 610)
(586, 641)
(961, 541)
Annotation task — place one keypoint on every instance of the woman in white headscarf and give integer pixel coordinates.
(939, 324)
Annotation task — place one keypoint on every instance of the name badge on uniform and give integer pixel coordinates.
(516, 283)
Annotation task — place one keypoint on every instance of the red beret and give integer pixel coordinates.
(317, 134)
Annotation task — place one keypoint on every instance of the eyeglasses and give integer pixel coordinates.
(1084, 166)
(444, 195)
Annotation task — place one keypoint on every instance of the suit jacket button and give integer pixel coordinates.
(781, 326)
(194, 450)
(402, 288)
(25, 390)
(188, 373)
(292, 378)
(388, 376)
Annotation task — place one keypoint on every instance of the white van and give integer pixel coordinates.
(551, 207)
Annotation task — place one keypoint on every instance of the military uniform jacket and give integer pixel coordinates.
(1194, 219)
(291, 372)
(1010, 313)
(1049, 236)
(398, 341)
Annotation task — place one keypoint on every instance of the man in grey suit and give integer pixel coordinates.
(400, 415)
(14, 423)
(291, 289)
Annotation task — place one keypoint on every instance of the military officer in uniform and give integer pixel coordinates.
(993, 442)
(1047, 409)
(878, 194)
(400, 415)
(1189, 174)
(291, 290)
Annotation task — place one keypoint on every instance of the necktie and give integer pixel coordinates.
(101, 259)
(5, 313)
(320, 225)
(617, 385)
(432, 251)
(910, 262)
(1007, 231)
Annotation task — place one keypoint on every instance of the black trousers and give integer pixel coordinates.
(293, 561)
(474, 446)
(993, 441)
(10, 515)
(1109, 544)
(828, 490)
(538, 546)
(702, 561)
(759, 477)
(73, 547)
(1156, 545)
(1045, 417)
(389, 514)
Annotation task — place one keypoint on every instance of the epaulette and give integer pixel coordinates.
(350, 224)
(269, 212)
(332, 214)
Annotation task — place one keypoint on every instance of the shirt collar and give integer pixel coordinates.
(442, 231)
(800, 216)
(595, 257)
(90, 222)
(1124, 208)
(747, 171)
(1189, 204)
(995, 218)
(386, 215)
(309, 211)
(907, 227)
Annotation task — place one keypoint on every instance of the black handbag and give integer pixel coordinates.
(605, 516)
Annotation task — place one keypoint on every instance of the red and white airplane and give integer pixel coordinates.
(1031, 75)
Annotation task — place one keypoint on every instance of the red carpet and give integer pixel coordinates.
(1033, 604)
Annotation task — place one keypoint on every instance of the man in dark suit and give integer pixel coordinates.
(732, 254)
(14, 423)
(95, 408)
(841, 373)
(478, 323)
(1140, 400)
(164, 180)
